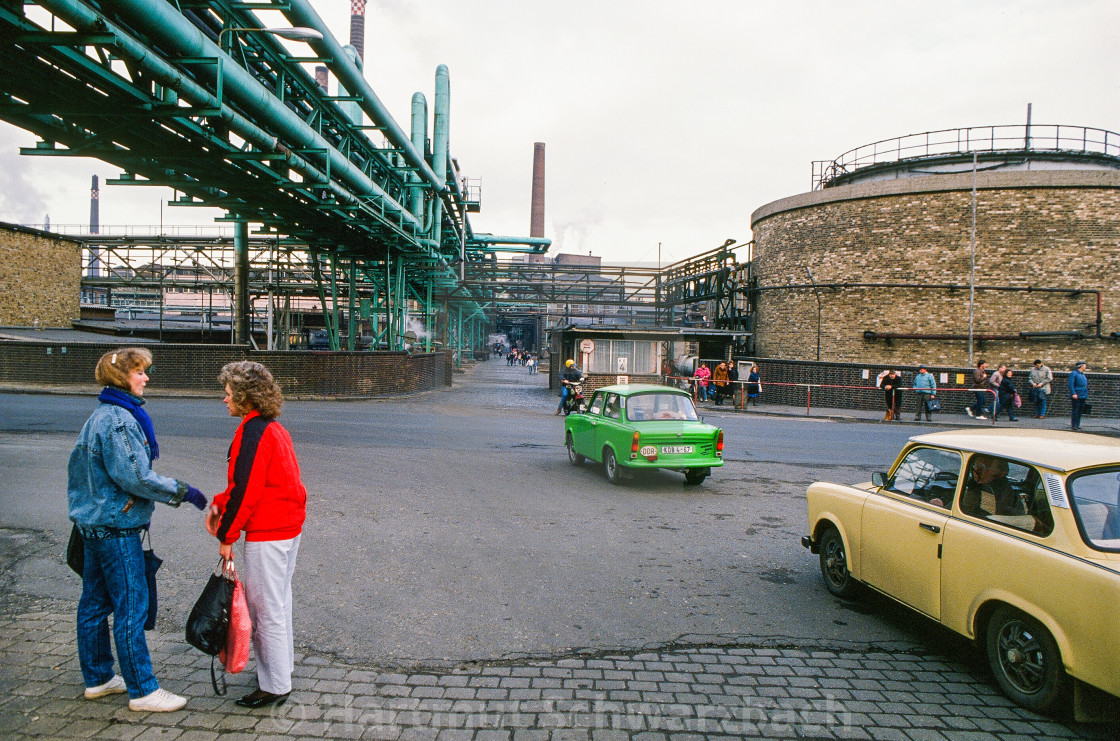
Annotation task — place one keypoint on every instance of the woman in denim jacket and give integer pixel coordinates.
(112, 491)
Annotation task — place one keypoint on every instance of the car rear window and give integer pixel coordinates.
(649, 407)
(1095, 496)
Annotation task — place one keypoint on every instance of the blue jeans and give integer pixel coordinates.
(981, 405)
(1040, 400)
(1075, 406)
(113, 582)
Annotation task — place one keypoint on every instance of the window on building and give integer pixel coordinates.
(628, 357)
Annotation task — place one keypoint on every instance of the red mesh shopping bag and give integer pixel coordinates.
(235, 655)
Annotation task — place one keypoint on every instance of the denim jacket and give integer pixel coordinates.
(110, 481)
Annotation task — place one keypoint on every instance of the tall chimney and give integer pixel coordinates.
(94, 226)
(321, 76)
(536, 219)
(358, 27)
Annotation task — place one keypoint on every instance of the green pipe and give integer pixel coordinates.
(351, 325)
(300, 13)
(440, 135)
(241, 282)
(420, 143)
(167, 27)
(428, 319)
(318, 272)
(335, 345)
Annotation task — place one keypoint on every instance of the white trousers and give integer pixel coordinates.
(266, 575)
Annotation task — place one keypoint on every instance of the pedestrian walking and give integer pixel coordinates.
(265, 499)
(754, 386)
(1041, 378)
(1078, 393)
(111, 491)
(925, 391)
(980, 384)
(1007, 394)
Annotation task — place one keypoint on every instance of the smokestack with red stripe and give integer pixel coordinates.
(358, 27)
(536, 218)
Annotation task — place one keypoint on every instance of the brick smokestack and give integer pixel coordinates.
(321, 77)
(94, 225)
(536, 219)
(358, 27)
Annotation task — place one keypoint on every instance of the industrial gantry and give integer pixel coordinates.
(202, 97)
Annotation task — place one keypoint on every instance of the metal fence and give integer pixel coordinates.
(1082, 140)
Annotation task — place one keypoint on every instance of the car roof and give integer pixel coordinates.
(640, 388)
(1055, 449)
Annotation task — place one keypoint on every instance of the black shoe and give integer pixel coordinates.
(260, 699)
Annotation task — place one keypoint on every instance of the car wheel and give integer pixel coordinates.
(696, 475)
(610, 466)
(834, 565)
(573, 457)
(1025, 660)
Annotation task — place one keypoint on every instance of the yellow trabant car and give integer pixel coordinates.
(1011, 538)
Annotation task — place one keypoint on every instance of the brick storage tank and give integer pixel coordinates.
(874, 265)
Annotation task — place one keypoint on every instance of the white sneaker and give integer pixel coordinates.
(980, 416)
(160, 701)
(968, 411)
(114, 686)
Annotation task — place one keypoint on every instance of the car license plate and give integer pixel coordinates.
(675, 449)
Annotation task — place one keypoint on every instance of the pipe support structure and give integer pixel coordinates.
(300, 13)
(164, 24)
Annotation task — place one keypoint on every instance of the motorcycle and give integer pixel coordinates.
(574, 401)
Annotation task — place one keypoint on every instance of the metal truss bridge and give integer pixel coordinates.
(281, 273)
(200, 96)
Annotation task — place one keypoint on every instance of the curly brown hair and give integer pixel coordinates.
(252, 387)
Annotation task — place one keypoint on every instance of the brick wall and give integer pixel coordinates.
(194, 369)
(40, 278)
(1104, 388)
(1043, 230)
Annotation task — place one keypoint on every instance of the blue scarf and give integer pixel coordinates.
(113, 395)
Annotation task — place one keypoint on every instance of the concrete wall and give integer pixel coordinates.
(40, 277)
(1033, 229)
(193, 369)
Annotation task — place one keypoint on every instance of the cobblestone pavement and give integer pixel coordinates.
(694, 693)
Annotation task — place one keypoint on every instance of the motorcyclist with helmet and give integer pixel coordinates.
(569, 376)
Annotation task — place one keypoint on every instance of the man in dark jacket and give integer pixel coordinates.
(1078, 393)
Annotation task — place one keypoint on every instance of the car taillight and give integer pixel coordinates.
(719, 444)
(634, 446)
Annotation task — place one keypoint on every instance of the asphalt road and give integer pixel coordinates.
(449, 527)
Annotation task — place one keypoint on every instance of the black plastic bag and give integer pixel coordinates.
(208, 624)
(76, 552)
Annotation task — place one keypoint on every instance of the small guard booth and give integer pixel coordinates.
(610, 353)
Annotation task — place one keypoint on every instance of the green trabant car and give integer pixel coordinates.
(643, 426)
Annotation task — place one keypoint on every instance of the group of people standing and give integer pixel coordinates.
(996, 392)
(112, 491)
(722, 381)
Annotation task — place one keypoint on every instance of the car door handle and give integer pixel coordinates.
(931, 528)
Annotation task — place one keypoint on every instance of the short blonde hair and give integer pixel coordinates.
(252, 387)
(115, 366)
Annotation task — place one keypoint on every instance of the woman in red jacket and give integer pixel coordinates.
(266, 500)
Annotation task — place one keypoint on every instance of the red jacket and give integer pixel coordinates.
(265, 497)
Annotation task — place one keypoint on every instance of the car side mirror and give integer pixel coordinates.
(879, 479)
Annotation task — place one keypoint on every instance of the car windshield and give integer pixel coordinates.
(648, 407)
(1095, 495)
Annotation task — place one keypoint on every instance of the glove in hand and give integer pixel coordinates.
(195, 497)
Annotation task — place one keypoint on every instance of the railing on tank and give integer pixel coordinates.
(1045, 138)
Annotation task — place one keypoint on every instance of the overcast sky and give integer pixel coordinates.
(671, 122)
